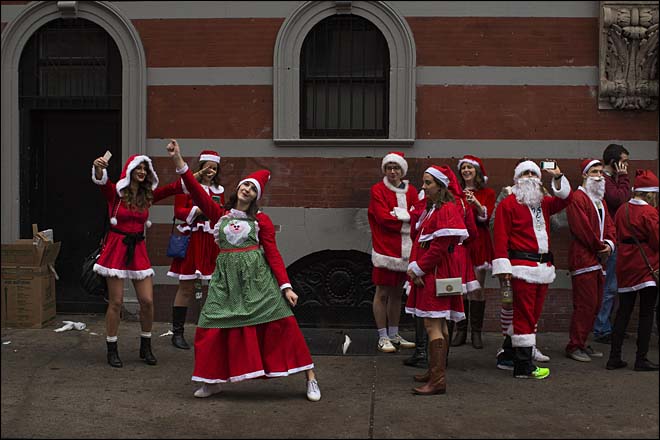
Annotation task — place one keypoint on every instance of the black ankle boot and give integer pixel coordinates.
(460, 336)
(419, 358)
(178, 321)
(643, 364)
(145, 351)
(113, 355)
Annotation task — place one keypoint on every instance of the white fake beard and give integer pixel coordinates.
(528, 191)
(595, 187)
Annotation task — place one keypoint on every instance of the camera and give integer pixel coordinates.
(548, 165)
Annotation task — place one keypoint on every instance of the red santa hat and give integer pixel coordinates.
(259, 179)
(523, 166)
(645, 181)
(588, 163)
(209, 155)
(440, 173)
(475, 162)
(125, 178)
(397, 158)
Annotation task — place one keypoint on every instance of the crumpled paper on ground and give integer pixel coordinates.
(70, 325)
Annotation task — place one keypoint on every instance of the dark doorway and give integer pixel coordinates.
(70, 113)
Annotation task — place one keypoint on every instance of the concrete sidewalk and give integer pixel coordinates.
(58, 385)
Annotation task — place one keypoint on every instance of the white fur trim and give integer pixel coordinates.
(637, 202)
(542, 234)
(285, 286)
(123, 274)
(402, 214)
(137, 160)
(438, 175)
(527, 165)
(471, 286)
(539, 274)
(209, 157)
(113, 220)
(650, 189)
(564, 188)
(397, 160)
(192, 214)
(182, 170)
(395, 264)
(586, 270)
(474, 163)
(196, 275)
(256, 183)
(462, 234)
(104, 177)
(217, 189)
(523, 340)
(636, 287)
(501, 265)
(254, 374)
(416, 269)
(391, 187)
(611, 243)
(446, 314)
(590, 164)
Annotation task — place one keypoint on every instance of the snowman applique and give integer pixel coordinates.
(237, 231)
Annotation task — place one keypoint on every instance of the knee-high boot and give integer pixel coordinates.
(178, 322)
(460, 337)
(477, 309)
(145, 351)
(437, 383)
(420, 357)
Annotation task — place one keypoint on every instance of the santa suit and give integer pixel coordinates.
(591, 227)
(202, 252)
(439, 231)
(519, 228)
(129, 228)
(481, 249)
(390, 233)
(631, 270)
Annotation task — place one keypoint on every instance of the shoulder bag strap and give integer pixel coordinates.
(634, 237)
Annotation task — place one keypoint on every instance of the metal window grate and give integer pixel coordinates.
(70, 63)
(344, 80)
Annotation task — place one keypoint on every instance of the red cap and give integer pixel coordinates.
(259, 178)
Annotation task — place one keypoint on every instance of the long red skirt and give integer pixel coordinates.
(272, 349)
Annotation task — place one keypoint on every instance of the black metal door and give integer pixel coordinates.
(61, 195)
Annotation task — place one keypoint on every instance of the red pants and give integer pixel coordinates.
(587, 296)
(528, 300)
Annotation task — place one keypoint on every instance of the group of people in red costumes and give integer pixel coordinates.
(437, 236)
(444, 235)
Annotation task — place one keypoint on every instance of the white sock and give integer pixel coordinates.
(393, 331)
(382, 333)
(145, 334)
(111, 338)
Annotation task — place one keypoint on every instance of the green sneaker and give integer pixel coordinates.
(539, 373)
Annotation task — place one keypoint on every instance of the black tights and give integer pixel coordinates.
(647, 298)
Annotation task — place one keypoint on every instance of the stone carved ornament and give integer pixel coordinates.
(628, 56)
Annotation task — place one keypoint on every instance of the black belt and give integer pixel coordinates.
(130, 240)
(531, 256)
(631, 241)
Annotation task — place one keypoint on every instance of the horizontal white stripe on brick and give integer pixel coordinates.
(426, 75)
(499, 148)
(282, 9)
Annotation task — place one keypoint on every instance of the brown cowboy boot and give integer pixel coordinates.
(437, 358)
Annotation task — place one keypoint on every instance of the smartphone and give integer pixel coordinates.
(548, 165)
(107, 155)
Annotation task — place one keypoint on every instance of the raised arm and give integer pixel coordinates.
(100, 177)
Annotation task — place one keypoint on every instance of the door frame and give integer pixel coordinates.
(134, 88)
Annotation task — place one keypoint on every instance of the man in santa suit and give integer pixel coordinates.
(389, 221)
(593, 238)
(522, 257)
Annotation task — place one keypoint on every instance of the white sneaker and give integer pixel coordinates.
(207, 389)
(398, 340)
(385, 345)
(538, 356)
(313, 390)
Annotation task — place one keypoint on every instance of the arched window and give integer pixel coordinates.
(344, 80)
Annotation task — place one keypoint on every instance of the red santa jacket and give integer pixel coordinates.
(390, 228)
(186, 210)
(517, 227)
(632, 273)
(590, 229)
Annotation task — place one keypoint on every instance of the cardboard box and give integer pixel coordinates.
(28, 282)
(28, 297)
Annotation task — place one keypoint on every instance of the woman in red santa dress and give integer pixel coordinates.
(199, 261)
(637, 226)
(473, 178)
(124, 253)
(440, 229)
(246, 328)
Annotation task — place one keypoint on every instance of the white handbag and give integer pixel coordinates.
(448, 286)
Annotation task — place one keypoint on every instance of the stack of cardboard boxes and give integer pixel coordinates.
(28, 281)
